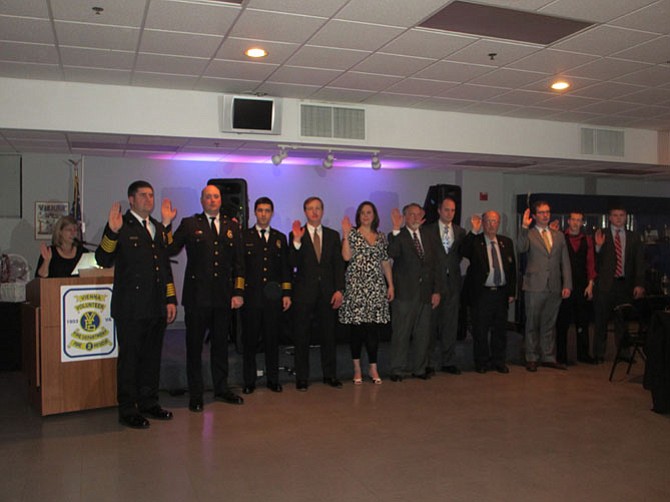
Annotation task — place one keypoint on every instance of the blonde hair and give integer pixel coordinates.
(57, 235)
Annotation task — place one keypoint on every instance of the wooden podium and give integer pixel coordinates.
(55, 386)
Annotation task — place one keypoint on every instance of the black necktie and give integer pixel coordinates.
(263, 235)
(497, 276)
(213, 220)
(145, 224)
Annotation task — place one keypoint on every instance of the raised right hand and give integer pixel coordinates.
(346, 226)
(476, 223)
(45, 251)
(115, 217)
(396, 218)
(298, 230)
(527, 219)
(599, 237)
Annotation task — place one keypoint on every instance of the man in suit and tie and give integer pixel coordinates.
(267, 293)
(620, 265)
(492, 280)
(547, 280)
(144, 301)
(213, 287)
(315, 255)
(444, 319)
(417, 292)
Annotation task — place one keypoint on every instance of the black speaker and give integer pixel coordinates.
(436, 194)
(234, 198)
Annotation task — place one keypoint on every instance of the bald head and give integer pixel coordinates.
(210, 198)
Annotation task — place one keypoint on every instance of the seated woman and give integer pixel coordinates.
(60, 259)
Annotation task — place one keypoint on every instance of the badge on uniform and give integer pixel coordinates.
(278, 244)
(229, 234)
(199, 232)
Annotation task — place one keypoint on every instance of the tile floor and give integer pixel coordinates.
(553, 435)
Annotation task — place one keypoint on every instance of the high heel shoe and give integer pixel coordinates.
(358, 381)
(376, 381)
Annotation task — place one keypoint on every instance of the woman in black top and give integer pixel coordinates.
(60, 259)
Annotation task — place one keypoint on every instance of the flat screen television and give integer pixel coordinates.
(251, 114)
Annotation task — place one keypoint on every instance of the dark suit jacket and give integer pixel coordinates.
(474, 249)
(214, 267)
(265, 263)
(449, 265)
(311, 277)
(143, 283)
(633, 262)
(413, 277)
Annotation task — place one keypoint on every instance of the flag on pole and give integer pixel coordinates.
(75, 210)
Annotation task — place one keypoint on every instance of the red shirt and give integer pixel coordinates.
(575, 241)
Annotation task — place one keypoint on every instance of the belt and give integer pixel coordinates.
(620, 278)
(494, 288)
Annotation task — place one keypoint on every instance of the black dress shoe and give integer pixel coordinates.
(587, 360)
(136, 421)
(275, 387)
(248, 390)
(333, 382)
(158, 413)
(452, 369)
(481, 369)
(554, 365)
(430, 371)
(195, 406)
(422, 376)
(396, 378)
(531, 366)
(229, 397)
(502, 368)
(301, 385)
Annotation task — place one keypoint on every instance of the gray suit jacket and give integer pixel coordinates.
(545, 271)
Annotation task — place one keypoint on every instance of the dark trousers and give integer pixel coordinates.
(489, 313)
(324, 316)
(603, 306)
(198, 322)
(139, 363)
(261, 323)
(365, 334)
(574, 309)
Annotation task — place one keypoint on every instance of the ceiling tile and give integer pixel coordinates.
(305, 7)
(299, 75)
(472, 92)
(593, 11)
(335, 94)
(532, 112)
(34, 135)
(278, 52)
(646, 111)
(488, 108)
(421, 87)
(389, 64)
(655, 52)
(611, 121)
(609, 107)
(552, 61)
(296, 91)
(444, 104)
(241, 70)
(28, 8)
(605, 68)
(605, 90)
(427, 43)
(30, 70)
(521, 97)
(604, 40)
(650, 75)
(652, 18)
(118, 13)
(262, 25)
(97, 58)
(99, 37)
(29, 53)
(574, 116)
(364, 81)
(350, 35)
(232, 86)
(452, 72)
(505, 52)
(545, 85)
(325, 57)
(390, 99)
(390, 12)
(657, 96)
(508, 78)
(529, 5)
(158, 63)
(164, 80)
(21, 29)
(180, 44)
(204, 18)
(567, 102)
(97, 75)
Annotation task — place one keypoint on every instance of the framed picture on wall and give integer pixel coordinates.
(46, 216)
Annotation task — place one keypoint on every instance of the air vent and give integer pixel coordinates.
(324, 121)
(494, 163)
(602, 142)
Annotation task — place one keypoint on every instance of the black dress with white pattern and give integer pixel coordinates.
(365, 292)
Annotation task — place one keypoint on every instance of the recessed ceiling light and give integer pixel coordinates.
(256, 52)
(560, 85)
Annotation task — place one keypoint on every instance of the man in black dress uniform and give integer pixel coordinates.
(315, 254)
(267, 294)
(213, 287)
(143, 302)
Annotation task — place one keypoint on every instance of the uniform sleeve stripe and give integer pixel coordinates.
(286, 286)
(108, 245)
(171, 291)
(239, 283)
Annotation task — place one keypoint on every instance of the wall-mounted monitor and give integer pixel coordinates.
(251, 114)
